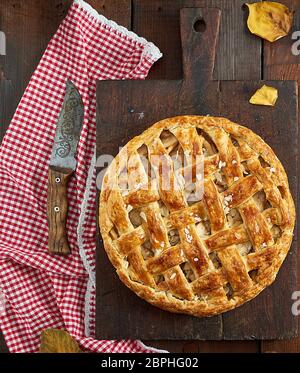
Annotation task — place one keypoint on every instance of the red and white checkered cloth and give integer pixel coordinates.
(41, 291)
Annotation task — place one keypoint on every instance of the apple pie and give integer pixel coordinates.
(196, 215)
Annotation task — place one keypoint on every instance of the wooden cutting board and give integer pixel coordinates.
(125, 109)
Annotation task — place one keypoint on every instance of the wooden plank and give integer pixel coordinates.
(3, 347)
(280, 63)
(229, 346)
(238, 54)
(6, 95)
(259, 318)
(207, 346)
(175, 346)
(117, 10)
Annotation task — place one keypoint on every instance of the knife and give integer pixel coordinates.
(61, 168)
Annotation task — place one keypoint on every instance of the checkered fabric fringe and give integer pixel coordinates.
(41, 291)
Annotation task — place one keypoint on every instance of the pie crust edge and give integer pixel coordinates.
(196, 307)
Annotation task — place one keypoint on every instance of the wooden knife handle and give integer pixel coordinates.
(57, 210)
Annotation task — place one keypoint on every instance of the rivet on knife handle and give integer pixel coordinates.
(58, 210)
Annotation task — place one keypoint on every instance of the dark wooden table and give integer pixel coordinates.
(30, 24)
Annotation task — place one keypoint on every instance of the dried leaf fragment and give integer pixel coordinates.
(265, 95)
(58, 341)
(269, 20)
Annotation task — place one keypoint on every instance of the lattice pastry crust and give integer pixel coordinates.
(197, 254)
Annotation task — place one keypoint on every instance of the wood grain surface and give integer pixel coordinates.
(30, 24)
(266, 317)
(57, 210)
(280, 63)
(158, 21)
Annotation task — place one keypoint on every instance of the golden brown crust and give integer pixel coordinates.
(221, 271)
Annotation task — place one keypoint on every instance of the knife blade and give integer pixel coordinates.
(61, 168)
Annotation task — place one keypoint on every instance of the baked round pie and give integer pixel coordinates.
(196, 215)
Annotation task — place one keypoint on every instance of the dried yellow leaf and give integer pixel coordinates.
(269, 20)
(58, 341)
(265, 95)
